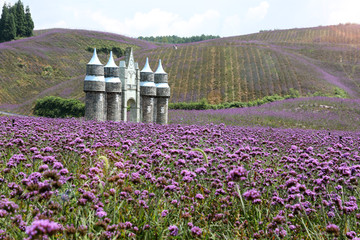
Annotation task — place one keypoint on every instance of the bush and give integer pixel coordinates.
(57, 107)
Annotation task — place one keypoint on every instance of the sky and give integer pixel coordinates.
(189, 17)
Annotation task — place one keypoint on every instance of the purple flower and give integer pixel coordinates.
(199, 196)
(42, 227)
(252, 194)
(164, 213)
(351, 234)
(332, 228)
(173, 230)
(7, 205)
(237, 174)
(100, 213)
(3, 213)
(64, 171)
(196, 231)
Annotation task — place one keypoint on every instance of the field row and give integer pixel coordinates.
(229, 73)
(347, 34)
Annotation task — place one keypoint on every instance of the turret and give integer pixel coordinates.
(147, 92)
(162, 95)
(113, 90)
(94, 88)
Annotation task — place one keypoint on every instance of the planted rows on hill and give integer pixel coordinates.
(232, 72)
(339, 34)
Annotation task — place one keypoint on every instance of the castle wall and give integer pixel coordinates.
(107, 98)
(94, 87)
(94, 106)
(162, 95)
(147, 94)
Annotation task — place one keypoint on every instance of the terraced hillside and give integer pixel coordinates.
(240, 68)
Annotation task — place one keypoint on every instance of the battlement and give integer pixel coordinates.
(111, 89)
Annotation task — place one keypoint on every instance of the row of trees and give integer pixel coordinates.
(15, 22)
(177, 40)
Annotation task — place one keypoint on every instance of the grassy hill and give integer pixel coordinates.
(240, 68)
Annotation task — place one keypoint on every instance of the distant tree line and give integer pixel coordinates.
(177, 40)
(15, 22)
(117, 51)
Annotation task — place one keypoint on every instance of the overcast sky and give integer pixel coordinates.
(189, 17)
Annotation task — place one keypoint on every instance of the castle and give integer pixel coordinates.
(111, 89)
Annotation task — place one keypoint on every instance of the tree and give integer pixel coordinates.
(19, 14)
(9, 29)
(14, 18)
(4, 15)
(29, 23)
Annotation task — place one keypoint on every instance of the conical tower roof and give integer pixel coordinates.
(94, 60)
(111, 63)
(147, 67)
(160, 69)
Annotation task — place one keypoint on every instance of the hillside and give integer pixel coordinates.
(239, 68)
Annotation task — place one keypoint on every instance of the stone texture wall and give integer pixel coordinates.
(111, 72)
(147, 103)
(113, 106)
(162, 110)
(162, 98)
(94, 70)
(95, 106)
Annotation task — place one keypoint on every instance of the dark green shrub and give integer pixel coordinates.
(57, 107)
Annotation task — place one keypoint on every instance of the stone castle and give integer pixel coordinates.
(111, 89)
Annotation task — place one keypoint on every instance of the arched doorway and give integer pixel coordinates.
(132, 113)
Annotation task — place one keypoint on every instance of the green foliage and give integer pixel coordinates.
(177, 40)
(203, 104)
(57, 107)
(117, 51)
(337, 92)
(293, 93)
(29, 23)
(7, 25)
(340, 93)
(18, 10)
(47, 71)
(15, 22)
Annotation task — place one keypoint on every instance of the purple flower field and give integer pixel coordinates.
(309, 113)
(73, 179)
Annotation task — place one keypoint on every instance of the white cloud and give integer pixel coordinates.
(259, 12)
(231, 25)
(344, 11)
(157, 22)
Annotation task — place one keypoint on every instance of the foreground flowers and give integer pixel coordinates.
(73, 179)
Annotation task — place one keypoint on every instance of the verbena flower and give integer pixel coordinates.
(42, 227)
(173, 230)
(196, 231)
(164, 213)
(334, 229)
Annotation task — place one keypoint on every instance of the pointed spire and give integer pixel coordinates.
(147, 66)
(94, 60)
(160, 68)
(111, 62)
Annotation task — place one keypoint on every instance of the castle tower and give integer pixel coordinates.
(147, 93)
(162, 95)
(113, 90)
(94, 88)
(130, 80)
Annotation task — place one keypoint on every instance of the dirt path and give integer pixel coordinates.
(12, 114)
